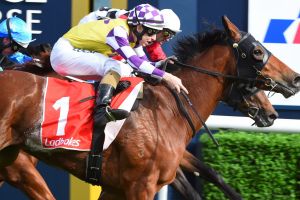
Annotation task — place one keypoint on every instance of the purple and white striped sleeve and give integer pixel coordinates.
(141, 53)
(117, 39)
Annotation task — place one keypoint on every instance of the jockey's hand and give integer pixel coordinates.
(174, 82)
(171, 59)
(163, 62)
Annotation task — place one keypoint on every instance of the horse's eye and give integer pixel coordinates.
(258, 53)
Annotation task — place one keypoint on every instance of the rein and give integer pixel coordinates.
(188, 117)
(218, 74)
(199, 117)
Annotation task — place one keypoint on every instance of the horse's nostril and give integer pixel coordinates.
(273, 116)
(296, 81)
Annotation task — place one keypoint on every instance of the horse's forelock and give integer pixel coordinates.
(187, 46)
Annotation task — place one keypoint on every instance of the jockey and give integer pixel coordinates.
(172, 27)
(14, 36)
(156, 53)
(86, 50)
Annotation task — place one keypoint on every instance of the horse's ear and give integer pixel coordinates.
(232, 31)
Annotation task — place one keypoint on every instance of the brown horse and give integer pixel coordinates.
(146, 132)
(254, 105)
(28, 180)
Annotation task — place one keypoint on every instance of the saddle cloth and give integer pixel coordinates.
(67, 120)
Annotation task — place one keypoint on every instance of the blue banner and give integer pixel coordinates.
(47, 19)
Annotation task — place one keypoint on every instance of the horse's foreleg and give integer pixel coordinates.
(183, 186)
(191, 164)
(23, 175)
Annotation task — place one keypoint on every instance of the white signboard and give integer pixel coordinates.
(276, 24)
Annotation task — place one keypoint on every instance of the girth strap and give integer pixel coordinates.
(94, 159)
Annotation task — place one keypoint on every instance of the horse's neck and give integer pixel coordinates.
(206, 91)
(161, 105)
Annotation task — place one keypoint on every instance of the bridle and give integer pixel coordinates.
(248, 66)
(248, 70)
(236, 95)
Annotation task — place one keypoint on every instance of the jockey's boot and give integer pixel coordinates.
(103, 112)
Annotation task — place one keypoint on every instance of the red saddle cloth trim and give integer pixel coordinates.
(119, 98)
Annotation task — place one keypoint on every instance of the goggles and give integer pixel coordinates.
(150, 31)
(167, 33)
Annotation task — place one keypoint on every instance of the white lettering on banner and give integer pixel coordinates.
(62, 142)
(27, 1)
(12, 12)
(14, 1)
(36, 1)
(30, 20)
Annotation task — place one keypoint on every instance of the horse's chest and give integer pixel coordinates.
(138, 140)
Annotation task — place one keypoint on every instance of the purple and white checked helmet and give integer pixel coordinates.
(146, 15)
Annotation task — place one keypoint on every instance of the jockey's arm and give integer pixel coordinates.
(120, 43)
(140, 52)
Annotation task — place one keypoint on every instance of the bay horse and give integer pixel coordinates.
(31, 183)
(135, 177)
(254, 105)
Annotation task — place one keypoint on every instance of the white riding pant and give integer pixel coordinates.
(67, 60)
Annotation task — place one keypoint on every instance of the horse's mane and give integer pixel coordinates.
(187, 46)
(41, 68)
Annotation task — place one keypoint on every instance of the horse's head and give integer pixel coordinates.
(259, 108)
(253, 103)
(40, 64)
(41, 54)
(255, 61)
